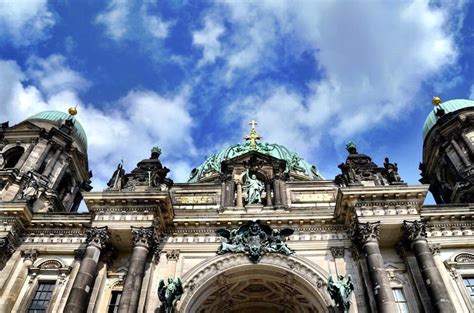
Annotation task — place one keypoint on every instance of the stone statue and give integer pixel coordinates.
(391, 171)
(253, 189)
(254, 239)
(170, 294)
(30, 190)
(340, 291)
(118, 179)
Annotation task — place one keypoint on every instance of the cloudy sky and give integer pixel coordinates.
(189, 75)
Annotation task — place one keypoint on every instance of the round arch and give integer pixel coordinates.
(278, 283)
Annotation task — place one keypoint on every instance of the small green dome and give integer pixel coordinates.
(293, 161)
(59, 117)
(448, 107)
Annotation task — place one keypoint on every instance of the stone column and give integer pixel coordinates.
(268, 190)
(276, 191)
(144, 240)
(29, 256)
(25, 155)
(97, 239)
(52, 162)
(43, 156)
(239, 194)
(415, 232)
(366, 235)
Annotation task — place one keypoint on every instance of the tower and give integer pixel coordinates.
(43, 168)
(448, 151)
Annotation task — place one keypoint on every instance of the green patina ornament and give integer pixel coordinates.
(293, 161)
(340, 290)
(156, 150)
(170, 294)
(351, 146)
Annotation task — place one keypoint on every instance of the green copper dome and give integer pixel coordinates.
(59, 117)
(448, 107)
(294, 163)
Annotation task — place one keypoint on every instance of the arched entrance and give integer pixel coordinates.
(233, 284)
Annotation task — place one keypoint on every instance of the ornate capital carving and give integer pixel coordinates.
(337, 252)
(172, 255)
(98, 236)
(361, 233)
(144, 236)
(30, 255)
(415, 230)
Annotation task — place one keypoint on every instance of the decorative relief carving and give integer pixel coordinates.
(50, 264)
(98, 236)
(337, 252)
(205, 199)
(464, 258)
(435, 248)
(30, 254)
(298, 267)
(302, 197)
(172, 255)
(361, 233)
(415, 230)
(254, 239)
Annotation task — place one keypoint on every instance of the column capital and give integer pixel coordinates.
(362, 233)
(30, 255)
(414, 230)
(98, 236)
(144, 236)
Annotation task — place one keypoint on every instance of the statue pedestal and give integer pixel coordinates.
(254, 208)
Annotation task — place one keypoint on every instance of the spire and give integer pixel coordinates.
(253, 136)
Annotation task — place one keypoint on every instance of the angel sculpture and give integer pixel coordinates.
(170, 294)
(340, 291)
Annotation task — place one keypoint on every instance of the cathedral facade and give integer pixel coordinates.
(255, 229)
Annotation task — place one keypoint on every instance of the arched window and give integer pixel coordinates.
(12, 156)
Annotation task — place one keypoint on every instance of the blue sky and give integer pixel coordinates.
(189, 75)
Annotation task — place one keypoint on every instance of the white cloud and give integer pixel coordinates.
(122, 20)
(155, 25)
(115, 18)
(53, 75)
(23, 22)
(372, 58)
(471, 92)
(208, 39)
(128, 128)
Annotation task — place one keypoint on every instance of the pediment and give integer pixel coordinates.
(252, 158)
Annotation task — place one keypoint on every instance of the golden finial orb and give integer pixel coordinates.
(436, 101)
(72, 110)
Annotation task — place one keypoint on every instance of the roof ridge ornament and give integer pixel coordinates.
(253, 136)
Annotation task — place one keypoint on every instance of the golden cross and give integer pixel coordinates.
(253, 136)
(253, 124)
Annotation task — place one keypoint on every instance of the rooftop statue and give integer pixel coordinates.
(170, 294)
(254, 239)
(118, 179)
(340, 290)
